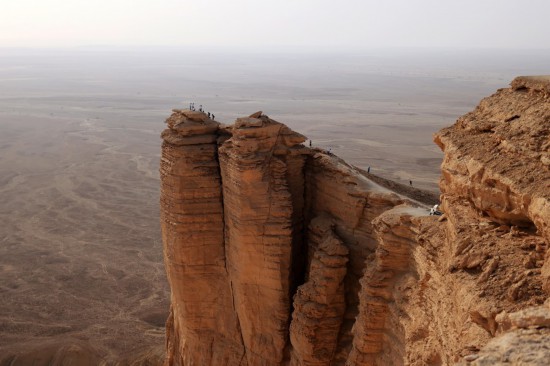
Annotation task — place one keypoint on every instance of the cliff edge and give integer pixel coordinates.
(278, 254)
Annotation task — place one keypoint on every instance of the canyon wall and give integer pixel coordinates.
(280, 254)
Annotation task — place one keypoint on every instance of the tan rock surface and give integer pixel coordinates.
(201, 330)
(378, 336)
(262, 196)
(525, 341)
(493, 155)
(272, 188)
(279, 254)
(319, 304)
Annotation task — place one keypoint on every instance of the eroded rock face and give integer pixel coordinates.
(265, 243)
(319, 304)
(523, 339)
(203, 328)
(263, 204)
(278, 254)
(497, 157)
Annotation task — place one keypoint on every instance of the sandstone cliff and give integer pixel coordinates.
(278, 254)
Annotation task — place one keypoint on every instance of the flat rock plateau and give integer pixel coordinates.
(281, 254)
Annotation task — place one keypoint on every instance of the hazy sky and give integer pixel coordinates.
(277, 23)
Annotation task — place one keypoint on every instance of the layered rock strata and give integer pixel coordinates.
(203, 328)
(263, 186)
(319, 304)
(278, 254)
(523, 339)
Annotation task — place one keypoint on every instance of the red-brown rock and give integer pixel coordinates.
(278, 254)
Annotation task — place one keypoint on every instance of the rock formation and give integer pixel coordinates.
(278, 254)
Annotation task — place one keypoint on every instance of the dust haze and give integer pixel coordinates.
(80, 248)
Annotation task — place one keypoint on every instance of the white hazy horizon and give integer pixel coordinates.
(248, 24)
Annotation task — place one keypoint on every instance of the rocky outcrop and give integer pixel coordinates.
(319, 304)
(497, 158)
(523, 339)
(250, 284)
(278, 254)
(262, 197)
(378, 336)
(201, 330)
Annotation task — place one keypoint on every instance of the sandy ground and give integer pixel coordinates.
(80, 249)
(80, 253)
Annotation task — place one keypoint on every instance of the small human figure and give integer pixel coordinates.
(213, 117)
(411, 182)
(310, 143)
(368, 170)
(329, 151)
(208, 114)
(200, 108)
(190, 106)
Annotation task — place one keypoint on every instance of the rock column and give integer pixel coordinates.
(202, 329)
(260, 223)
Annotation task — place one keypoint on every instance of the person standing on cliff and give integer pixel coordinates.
(411, 182)
(368, 170)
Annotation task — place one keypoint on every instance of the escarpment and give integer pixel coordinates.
(279, 254)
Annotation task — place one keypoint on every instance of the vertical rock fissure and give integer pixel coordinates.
(299, 250)
(296, 245)
(299, 256)
(229, 280)
(217, 157)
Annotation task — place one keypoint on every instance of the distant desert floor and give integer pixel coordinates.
(80, 249)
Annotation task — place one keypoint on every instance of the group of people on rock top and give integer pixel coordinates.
(192, 108)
